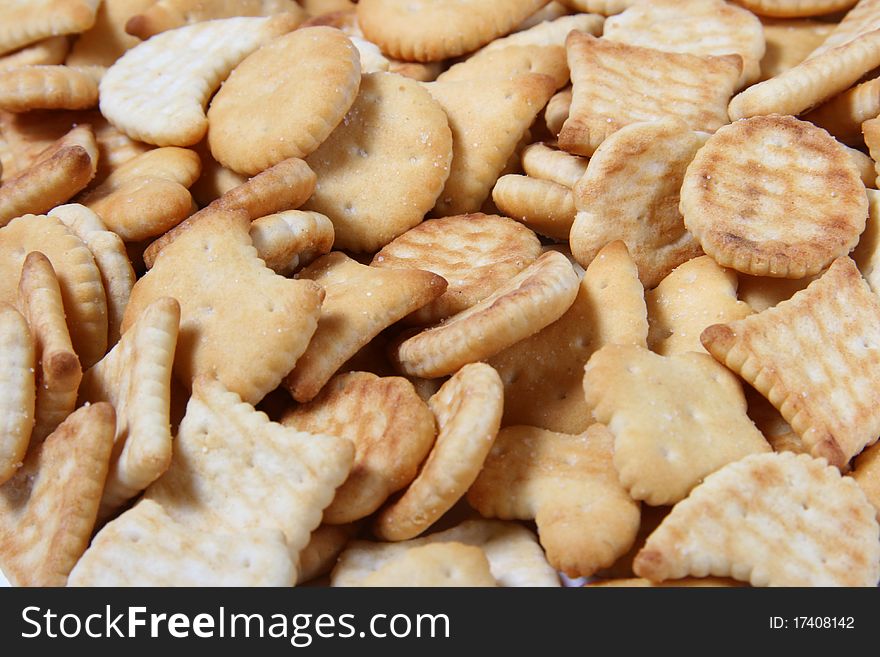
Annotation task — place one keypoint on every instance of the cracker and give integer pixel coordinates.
(135, 376)
(774, 196)
(372, 59)
(863, 18)
(615, 84)
(394, 125)
(82, 292)
(557, 110)
(568, 485)
(602, 7)
(49, 87)
(49, 51)
(534, 298)
(59, 172)
(170, 14)
(258, 120)
(640, 582)
(423, 72)
(106, 40)
(157, 91)
(543, 374)
(866, 474)
(693, 296)
(468, 411)
(769, 519)
(146, 547)
(475, 253)
(549, 12)
(360, 302)
(789, 8)
(17, 385)
(28, 21)
(325, 544)
(282, 478)
(776, 430)
(844, 114)
(435, 565)
(289, 240)
(815, 358)
(544, 206)
(487, 117)
(111, 258)
(865, 166)
(58, 371)
(789, 42)
(867, 252)
(514, 555)
(550, 32)
(215, 179)
(541, 161)
(431, 30)
(214, 272)
(390, 426)
(871, 133)
(665, 443)
(47, 511)
(630, 192)
(761, 292)
(510, 61)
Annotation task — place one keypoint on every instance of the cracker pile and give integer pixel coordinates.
(429, 293)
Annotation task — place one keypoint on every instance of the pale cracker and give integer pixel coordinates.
(864, 17)
(513, 552)
(325, 544)
(543, 374)
(630, 192)
(360, 302)
(106, 40)
(289, 240)
(844, 114)
(49, 87)
(534, 298)
(615, 84)
(789, 8)
(789, 42)
(774, 196)
(815, 357)
(665, 442)
(28, 21)
(214, 272)
(390, 426)
(640, 582)
(550, 33)
(867, 252)
(394, 127)
(157, 91)
(769, 519)
(258, 120)
(146, 547)
(568, 485)
(549, 12)
(435, 565)
(511, 61)
(541, 161)
(468, 411)
(58, 372)
(475, 253)
(49, 51)
(867, 475)
(762, 292)
(47, 511)
(170, 14)
(557, 110)
(865, 166)
(544, 206)
(18, 392)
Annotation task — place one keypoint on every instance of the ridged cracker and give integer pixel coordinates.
(513, 552)
(544, 206)
(146, 547)
(390, 426)
(57, 174)
(615, 84)
(51, 50)
(864, 17)
(82, 291)
(774, 196)
(135, 376)
(58, 372)
(289, 240)
(769, 519)
(568, 485)
(435, 565)
(534, 298)
(157, 91)
(693, 296)
(396, 127)
(234, 469)
(630, 192)
(47, 511)
(257, 121)
(475, 253)
(28, 21)
(844, 114)
(488, 117)
(541, 161)
(543, 374)
(49, 87)
(360, 302)
(815, 358)
(214, 272)
(468, 411)
(16, 390)
(325, 544)
(867, 475)
(549, 32)
(170, 14)
(431, 30)
(510, 61)
(665, 442)
(104, 42)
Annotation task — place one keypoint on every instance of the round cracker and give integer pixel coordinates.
(468, 411)
(383, 168)
(475, 253)
(774, 196)
(258, 119)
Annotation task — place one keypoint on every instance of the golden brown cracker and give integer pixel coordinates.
(289, 240)
(104, 42)
(788, 8)
(844, 114)
(49, 51)
(324, 546)
(17, 385)
(49, 87)
(762, 292)
(28, 21)
(544, 206)
(557, 110)
(542, 161)
(435, 565)
(549, 32)
(789, 42)
(512, 60)
(866, 473)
